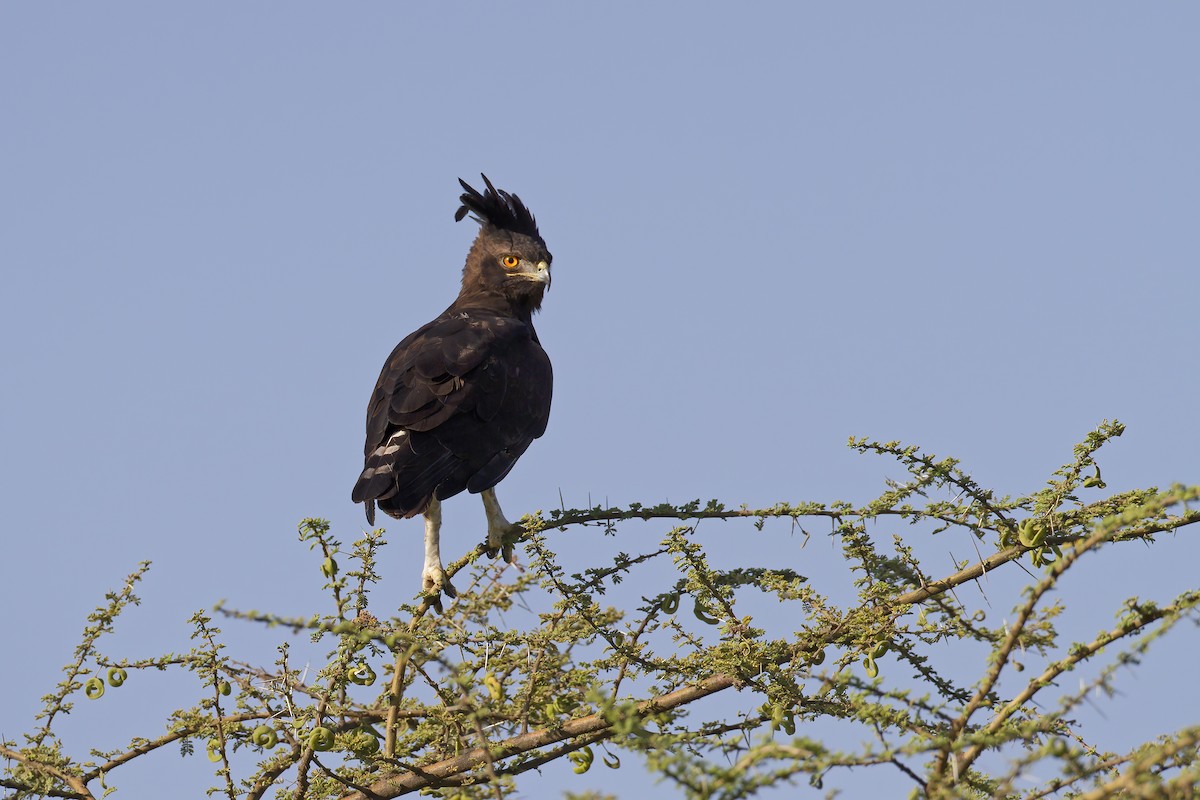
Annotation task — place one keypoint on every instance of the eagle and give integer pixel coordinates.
(461, 398)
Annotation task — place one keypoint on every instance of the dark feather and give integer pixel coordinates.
(461, 398)
(496, 207)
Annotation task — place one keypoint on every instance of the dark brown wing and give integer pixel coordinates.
(456, 405)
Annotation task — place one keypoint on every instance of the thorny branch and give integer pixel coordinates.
(473, 701)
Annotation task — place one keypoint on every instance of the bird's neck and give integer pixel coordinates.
(495, 301)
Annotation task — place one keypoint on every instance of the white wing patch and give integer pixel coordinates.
(383, 453)
(392, 444)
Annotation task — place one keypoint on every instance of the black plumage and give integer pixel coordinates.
(461, 398)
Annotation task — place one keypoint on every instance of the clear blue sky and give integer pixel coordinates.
(774, 225)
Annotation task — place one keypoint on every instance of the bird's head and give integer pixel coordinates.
(509, 256)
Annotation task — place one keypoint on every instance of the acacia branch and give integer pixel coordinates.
(429, 775)
(77, 784)
(1131, 779)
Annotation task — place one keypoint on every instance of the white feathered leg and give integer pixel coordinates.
(499, 528)
(433, 576)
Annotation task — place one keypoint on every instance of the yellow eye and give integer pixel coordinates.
(510, 262)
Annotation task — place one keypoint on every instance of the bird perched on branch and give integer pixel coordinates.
(461, 398)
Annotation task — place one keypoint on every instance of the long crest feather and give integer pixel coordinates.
(496, 207)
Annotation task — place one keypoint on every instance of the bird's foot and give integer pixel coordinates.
(502, 539)
(435, 583)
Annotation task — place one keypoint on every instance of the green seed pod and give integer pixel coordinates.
(321, 738)
(611, 761)
(671, 603)
(362, 674)
(778, 712)
(214, 751)
(618, 639)
(870, 667)
(116, 676)
(1031, 533)
(817, 657)
(329, 567)
(789, 724)
(582, 759)
(364, 742)
(93, 688)
(224, 688)
(702, 614)
(265, 737)
(495, 690)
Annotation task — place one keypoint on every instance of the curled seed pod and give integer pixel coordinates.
(881, 647)
(362, 674)
(582, 759)
(265, 736)
(1095, 481)
(817, 657)
(495, 690)
(321, 738)
(611, 761)
(702, 614)
(789, 724)
(364, 742)
(670, 604)
(778, 713)
(329, 567)
(116, 676)
(214, 751)
(93, 688)
(870, 667)
(224, 688)
(1058, 747)
(618, 639)
(1031, 533)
